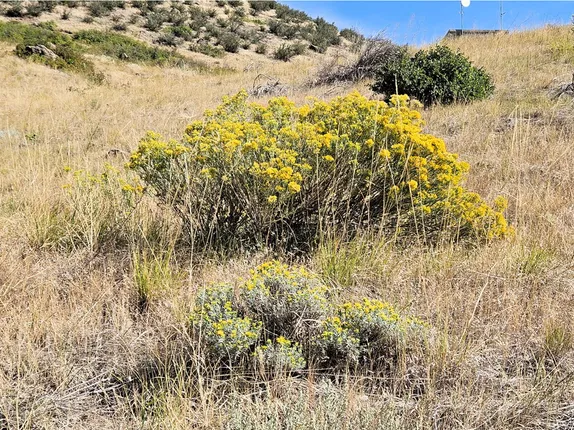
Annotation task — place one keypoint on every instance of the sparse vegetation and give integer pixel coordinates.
(375, 53)
(125, 48)
(100, 288)
(62, 52)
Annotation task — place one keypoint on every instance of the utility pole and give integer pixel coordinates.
(501, 15)
(461, 15)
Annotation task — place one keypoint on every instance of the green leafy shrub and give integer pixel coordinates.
(261, 5)
(325, 35)
(283, 29)
(285, 319)
(125, 48)
(16, 10)
(280, 176)
(69, 54)
(154, 21)
(437, 75)
(168, 39)
(207, 49)
(183, 31)
(286, 13)
(352, 35)
(285, 52)
(35, 9)
(98, 9)
(229, 42)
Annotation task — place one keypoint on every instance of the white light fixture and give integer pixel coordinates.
(465, 3)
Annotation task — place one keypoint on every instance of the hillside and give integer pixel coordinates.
(81, 349)
(234, 33)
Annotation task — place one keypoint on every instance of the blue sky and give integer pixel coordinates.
(421, 22)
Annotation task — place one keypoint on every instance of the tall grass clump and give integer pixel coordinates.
(278, 175)
(93, 212)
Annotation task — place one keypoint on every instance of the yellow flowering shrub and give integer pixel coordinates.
(288, 301)
(367, 332)
(279, 356)
(225, 334)
(285, 319)
(275, 175)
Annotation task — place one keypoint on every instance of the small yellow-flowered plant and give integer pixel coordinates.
(366, 331)
(226, 335)
(276, 174)
(282, 318)
(289, 301)
(282, 355)
(94, 208)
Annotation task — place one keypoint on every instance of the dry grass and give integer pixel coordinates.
(78, 352)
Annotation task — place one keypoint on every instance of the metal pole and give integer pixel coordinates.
(461, 15)
(501, 15)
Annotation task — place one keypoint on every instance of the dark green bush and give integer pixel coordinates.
(168, 39)
(352, 35)
(183, 31)
(119, 26)
(282, 29)
(154, 21)
(34, 9)
(437, 75)
(261, 5)
(325, 35)
(286, 13)
(230, 42)
(207, 49)
(98, 9)
(15, 11)
(286, 52)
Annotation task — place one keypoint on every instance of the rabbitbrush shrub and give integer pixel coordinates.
(279, 175)
(282, 319)
(437, 75)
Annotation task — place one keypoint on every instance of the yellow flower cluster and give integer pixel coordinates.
(319, 160)
(222, 329)
(281, 355)
(297, 285)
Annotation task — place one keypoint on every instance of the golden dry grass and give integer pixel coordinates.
(71, 333)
